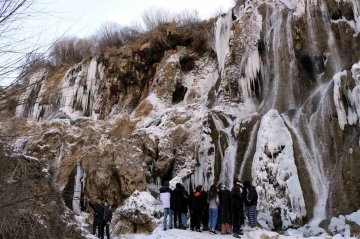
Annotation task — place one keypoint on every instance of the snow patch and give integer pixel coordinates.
(142, 201)
(338, 225)
(355, 217)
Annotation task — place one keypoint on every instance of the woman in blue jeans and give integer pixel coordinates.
(214, 202)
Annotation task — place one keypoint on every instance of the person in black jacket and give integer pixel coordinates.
(98, 212)
(237, 210)
(105, 219)
(198, 206)
(225, 210)
(108, 222)
(177, 201)
(250, 197)
(192, 215)
(205, 217)
(184, 208)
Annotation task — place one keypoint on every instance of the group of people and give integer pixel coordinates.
(102, 217)
(219, 208)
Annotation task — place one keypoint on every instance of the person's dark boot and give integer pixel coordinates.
(206, 229)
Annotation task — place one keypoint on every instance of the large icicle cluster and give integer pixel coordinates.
(222, 35)
(274, 171)
(29, 103)
(74, 95)
(78, 95)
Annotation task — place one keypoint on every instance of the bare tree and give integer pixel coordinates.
(14, 43)
(111, 34)
(187, 18)
(71, 50)
(108, 35)
(154, 17)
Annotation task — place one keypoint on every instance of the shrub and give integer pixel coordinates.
(111, 34)
(108, 35)
(71, 50)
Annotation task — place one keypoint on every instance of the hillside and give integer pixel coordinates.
(268, 91)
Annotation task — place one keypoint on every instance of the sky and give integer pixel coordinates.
(83, 17)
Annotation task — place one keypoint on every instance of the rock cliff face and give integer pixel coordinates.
(275, 100)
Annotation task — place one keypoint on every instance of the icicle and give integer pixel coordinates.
(78, 96)
(35, 82)
(222, 35)
(340, 109)
(78, 188)
(251, 63)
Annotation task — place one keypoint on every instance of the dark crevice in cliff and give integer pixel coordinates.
(179, 94)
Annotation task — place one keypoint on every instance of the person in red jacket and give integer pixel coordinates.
(198, 206)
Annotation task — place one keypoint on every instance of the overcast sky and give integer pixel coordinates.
(85, 16)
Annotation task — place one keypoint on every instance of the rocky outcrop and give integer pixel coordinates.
(166, 108)
(139, 214)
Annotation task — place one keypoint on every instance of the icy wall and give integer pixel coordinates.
(277, 104)
(74, 95)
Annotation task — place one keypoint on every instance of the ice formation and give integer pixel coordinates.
(79, 188)
(338, 225)
(273, 168)
(340, 108)
(355, 217)
(74, 96)
(351, 114)
(228, 158)
(139, 203)
(35, 85)
(274, 171)
(222, 35)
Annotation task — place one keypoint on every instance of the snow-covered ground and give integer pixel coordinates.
(187, 234)
(249, 233)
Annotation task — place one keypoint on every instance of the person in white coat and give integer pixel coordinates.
(165, 196)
